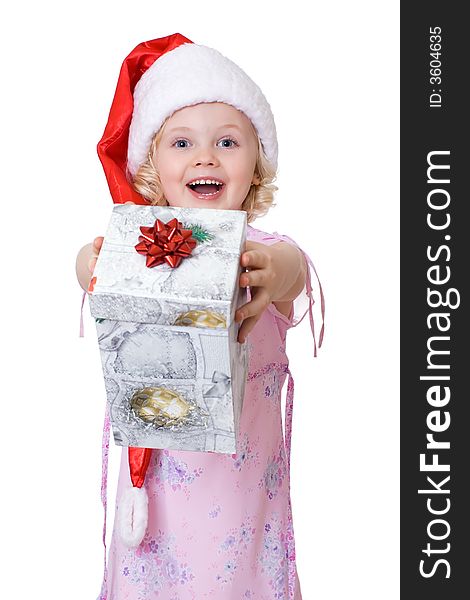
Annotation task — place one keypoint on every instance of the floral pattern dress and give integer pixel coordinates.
(220, 525)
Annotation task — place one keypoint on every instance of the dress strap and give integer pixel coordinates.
(292, 577)
(311, 303)
(271, 238)
(82, 331)
(311, 300)
(288, 416)
(104, 491)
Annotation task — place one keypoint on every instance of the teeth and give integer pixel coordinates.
(205, 182)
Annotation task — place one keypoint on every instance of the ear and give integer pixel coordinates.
(256, 179)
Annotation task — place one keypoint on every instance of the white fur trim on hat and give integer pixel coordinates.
(188, 75)
(132, 516)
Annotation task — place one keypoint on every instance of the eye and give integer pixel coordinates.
(180, 143)
(228, 143)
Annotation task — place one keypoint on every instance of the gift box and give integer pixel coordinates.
(164, 294)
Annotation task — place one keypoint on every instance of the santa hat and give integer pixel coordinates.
(156, 79)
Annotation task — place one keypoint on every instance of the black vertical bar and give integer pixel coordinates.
(435, 548)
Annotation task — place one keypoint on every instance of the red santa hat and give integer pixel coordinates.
(157, 78)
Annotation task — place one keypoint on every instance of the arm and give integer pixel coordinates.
(289, 266)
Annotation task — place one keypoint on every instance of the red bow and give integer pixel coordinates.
(165, 242)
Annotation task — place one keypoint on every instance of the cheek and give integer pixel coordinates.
(242, 172)
(168, 169)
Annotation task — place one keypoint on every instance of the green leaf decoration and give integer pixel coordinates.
(199, 233)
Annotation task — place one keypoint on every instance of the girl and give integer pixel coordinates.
(189, 128)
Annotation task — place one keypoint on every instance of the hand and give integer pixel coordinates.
(263, 282)
(86, 262)
(95, 249)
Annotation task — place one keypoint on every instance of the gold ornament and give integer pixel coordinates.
(201, 318)
(160, 406)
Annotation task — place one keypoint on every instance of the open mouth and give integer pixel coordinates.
(206, 188)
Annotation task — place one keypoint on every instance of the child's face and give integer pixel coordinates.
(207, 141)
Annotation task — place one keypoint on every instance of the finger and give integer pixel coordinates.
(244, 279)
(254, 258)
(258, 303)
(255, 278)
(97, 243)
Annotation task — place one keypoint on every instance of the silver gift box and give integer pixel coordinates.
(173, 369)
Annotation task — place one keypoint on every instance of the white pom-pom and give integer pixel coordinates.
(132, 516)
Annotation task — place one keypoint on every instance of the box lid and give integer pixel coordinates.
(123, 288)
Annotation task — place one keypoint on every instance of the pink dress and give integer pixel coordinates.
(220, 525)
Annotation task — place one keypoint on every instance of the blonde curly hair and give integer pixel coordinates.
(258, 201)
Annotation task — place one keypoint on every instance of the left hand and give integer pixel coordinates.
(263, 283)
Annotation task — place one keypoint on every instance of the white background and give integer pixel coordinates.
(330, 73)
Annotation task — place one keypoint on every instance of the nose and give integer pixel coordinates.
(206, 157)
